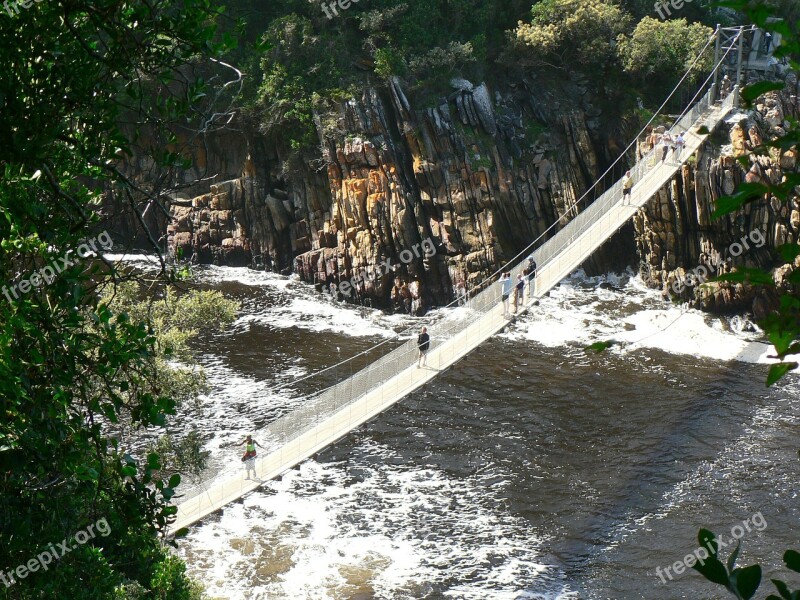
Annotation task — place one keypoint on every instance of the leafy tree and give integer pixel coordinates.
(702, 11)
(85, 85)
(298, 64)
(666, 50)
(174, 320)
(564, 33)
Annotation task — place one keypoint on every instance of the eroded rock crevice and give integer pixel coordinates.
(679, 244)
(478, 175)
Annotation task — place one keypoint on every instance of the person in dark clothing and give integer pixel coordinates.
(530, 272)
(519, 290)
(767, 42)
(423, 343)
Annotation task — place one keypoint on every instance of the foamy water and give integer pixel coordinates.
(377, 520)
(392, 534)
(579, 311)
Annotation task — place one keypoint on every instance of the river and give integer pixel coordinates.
(529, 470)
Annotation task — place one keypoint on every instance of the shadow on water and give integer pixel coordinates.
(585, 450)
(671, 458)
(591, 450)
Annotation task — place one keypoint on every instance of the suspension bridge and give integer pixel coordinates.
(331, 414)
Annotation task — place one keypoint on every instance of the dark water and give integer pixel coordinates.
(529, 470)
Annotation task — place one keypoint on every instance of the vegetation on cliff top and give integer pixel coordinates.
(301, 61)
(83, 83)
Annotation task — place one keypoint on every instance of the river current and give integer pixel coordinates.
(531, 469)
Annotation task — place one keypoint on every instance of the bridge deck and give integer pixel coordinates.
(568, 250)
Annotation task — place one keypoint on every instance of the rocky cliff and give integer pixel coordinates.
(406, 207)
(474, 176)
(680, 246)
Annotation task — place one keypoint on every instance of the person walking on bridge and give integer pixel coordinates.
(767, 42)
(666, 141)
(530, 272)
(627, 186)
(519, 291)
(680, 144)
(725, 87)
(423, 343)
(506, 285)
(249, 456)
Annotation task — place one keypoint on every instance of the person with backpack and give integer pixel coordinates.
(249, 456)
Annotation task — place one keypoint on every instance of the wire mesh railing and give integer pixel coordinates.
(324, 405)
(327, 403)
(639, 172)
(384, 368)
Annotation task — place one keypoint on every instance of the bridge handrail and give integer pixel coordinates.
(335, 397)
(578, 225)
(329, 401)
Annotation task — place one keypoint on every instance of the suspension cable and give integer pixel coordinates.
(489, 278)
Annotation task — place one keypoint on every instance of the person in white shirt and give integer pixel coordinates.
(666, 141)
(507, 285)
(627, 186)
(680, 144)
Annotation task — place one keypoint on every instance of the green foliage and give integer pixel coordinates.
(665, 49)
(182, 455)
(171, 582)
(175, 318)
(85, 83)
(448, 60)
(304, 55)
(704, 11)
(568, 32)
(304, 58)
(742, 582)
(297, 64)
(174, 321)
(389, 62)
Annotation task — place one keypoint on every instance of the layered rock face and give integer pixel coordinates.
(680, 246)
(472, 181)
(406, 207)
